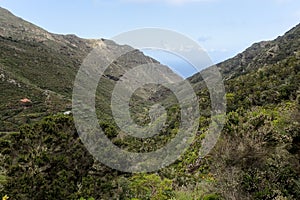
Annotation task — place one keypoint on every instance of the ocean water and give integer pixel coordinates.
(177, 64)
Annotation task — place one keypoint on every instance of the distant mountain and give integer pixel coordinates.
(42, 66)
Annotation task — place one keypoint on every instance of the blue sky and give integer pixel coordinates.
(222, 27)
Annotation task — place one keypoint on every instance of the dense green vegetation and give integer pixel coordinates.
(42, 157)
(257, 156)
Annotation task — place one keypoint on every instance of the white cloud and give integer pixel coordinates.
(172, 2)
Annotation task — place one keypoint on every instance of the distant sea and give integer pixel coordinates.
(174, 62)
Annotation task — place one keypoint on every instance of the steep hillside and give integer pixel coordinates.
(260, 54)
(257, 156)
(42, 66)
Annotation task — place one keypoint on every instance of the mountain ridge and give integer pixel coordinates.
(268, 50)
(34, 62)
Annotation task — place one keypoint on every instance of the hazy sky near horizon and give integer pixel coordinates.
(222, 27)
